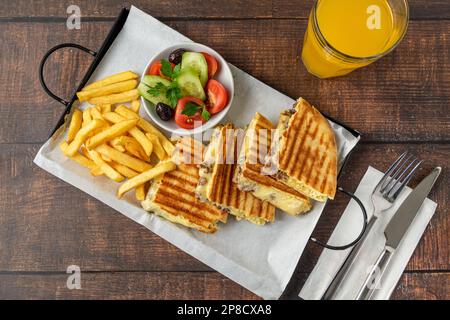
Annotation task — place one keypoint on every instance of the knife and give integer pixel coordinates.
(395, 230)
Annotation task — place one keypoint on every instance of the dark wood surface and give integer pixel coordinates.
(401, 102)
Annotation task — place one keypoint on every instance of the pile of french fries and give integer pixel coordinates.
(111, 139)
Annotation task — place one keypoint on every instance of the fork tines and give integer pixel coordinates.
(398, 175)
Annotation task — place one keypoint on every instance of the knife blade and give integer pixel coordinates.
(396, 229)
(405, 214)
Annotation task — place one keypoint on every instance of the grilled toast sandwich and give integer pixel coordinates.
(253, 175)
(172, 196)
(216, 179)
(306, 154)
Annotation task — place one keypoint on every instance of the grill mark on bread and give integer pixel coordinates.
(189, 150)
(225, 192)
(206, 223)
(325, 180)
(179, 205)
(320, 162)
(175, 196)
(253, 171)
(305, 170)
(300, 142)
(297, 142)
(287, 144)
(313, 161)
(175, 177)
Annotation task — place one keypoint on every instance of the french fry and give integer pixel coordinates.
(83, 135)
(116, 130)
(117, 144)
(140, 192)
(106, 168)
(96, 114)
(135, 106)
(147, 126)
(85, 152)
(123, 170)
(96, 171)
(157, 147)
(113, 117)
(122, 97)
(142, 178)
(75, 125)
(167, 145)
(119, 77)
(122, 158)
(105, 108)
(106, 158)
(133, 147)
(135, 132)
(145, 143)
(126, 112)
(129, 173)
(107, 90)
(86, 117)
(78, 158)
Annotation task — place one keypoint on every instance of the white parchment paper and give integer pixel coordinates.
(330, 261)
(261, 259)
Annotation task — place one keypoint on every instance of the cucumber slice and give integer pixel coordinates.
(150, 82)
(190, 84)
(143, 91)
(197, 62)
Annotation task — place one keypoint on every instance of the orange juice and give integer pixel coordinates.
(343, 35)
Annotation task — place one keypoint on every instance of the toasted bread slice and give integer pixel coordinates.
(253, 175)
(216, 179)
(307, 154)
(172, 196)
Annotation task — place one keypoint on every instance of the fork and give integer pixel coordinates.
(382, 198)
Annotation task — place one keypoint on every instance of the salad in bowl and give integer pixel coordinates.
(187, 88)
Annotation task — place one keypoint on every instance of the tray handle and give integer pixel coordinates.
(44, 60)
(351, 244)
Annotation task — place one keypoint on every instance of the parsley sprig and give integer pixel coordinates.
(157, 90)
(166, 69)
(190, 109)
(172, 92)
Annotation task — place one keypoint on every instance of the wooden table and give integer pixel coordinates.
(401, 102)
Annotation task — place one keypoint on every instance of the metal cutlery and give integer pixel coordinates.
(396, 229)
(382, 198)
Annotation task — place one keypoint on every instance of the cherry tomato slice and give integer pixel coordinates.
(213, 65)
(217, 96)
(155, 70)
(185, 121)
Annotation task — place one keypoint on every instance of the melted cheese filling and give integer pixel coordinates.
(282, 200)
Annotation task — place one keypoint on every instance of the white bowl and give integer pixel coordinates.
(223, 75)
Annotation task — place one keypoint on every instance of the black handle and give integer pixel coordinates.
(44, 59)
(351, 244)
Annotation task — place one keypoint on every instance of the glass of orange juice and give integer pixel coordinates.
(344, 35)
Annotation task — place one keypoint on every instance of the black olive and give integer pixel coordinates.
(164, 111)
(176, 55)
